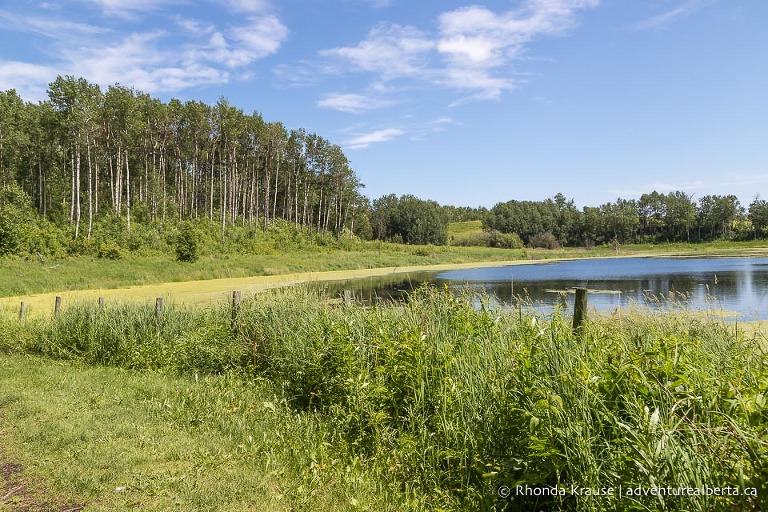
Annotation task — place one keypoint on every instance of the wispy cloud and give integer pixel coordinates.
(241, 45)
(137, 60)
(48, 27)
(195, 26)
(247, 6)
(390, 51)
(422, 131)
(365, 140)
(686, 9)
(129, 9)
(352, 103)
(745, 178)
(204, 53)
(471, 51)
(380, 3)
(29, 80)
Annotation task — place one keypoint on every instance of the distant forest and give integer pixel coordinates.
(89, 167)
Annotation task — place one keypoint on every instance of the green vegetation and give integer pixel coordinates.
(654, 218)
(409, 220)
(458, 230)
(20, 276)
(186, 243)
(116, 173)
(471, 234)
(114, 439)
(432, 405)
(277, 256)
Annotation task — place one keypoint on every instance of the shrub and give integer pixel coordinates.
(544, 241)
(186, 243)
(18, 221)
(110, 250)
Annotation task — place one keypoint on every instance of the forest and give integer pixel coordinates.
(86, 154)
(91, 168)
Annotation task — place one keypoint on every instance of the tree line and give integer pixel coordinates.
(85, 152)
(653, 218)
(118, 162)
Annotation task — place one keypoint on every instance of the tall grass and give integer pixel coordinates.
(186, 340)
(453, 400)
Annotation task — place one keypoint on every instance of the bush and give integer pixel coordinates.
(110, 250)
(544, 241)
(18, 221)
(186, 243)
(491, 238)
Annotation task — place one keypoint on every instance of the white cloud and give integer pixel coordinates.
(261, 36)
(365, 140)
(422, 131)
(48, 27)
(29, 80)
(129, 8)
(137, 61)
(352, 103)
(471, 51)
(247, 6)
(183, 54)
(241, 45)
(683, 11)
(392, 51)
(195, 26)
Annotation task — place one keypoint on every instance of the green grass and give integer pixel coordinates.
(462, 230)
(20, 276)
(24, 276)
(115, 439)
(431, 405)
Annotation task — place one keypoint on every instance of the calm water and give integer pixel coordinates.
(736, 285)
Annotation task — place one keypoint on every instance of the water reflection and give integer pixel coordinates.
(736, 286)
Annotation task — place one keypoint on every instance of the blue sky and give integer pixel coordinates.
(464, 103)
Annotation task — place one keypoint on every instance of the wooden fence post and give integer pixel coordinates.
(57, 306)
(236, 296)
(159, 313)
(101, 304)
(23, 311)
(579, 308)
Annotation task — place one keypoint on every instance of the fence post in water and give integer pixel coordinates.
(101, 304)
(57, 306)
(23, 311)
(347, 297)
(159, 313)
(236, 296)
(579, 308)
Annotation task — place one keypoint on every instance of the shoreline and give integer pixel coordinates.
(207, 291)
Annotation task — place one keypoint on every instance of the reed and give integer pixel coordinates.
(453, 398)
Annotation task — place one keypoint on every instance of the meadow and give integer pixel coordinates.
(437, 404)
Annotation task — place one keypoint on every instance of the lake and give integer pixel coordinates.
(736, 287)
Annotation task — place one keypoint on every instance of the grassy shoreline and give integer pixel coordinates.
(142, 279)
